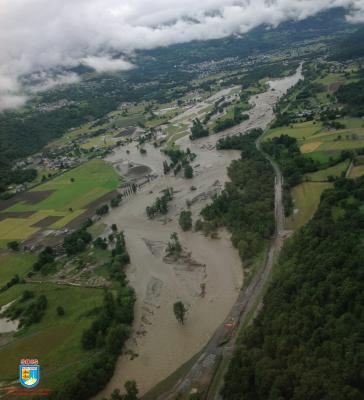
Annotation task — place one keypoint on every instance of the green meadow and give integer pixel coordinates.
(335, 171)
(55, 340)
(300, 131)
(306, 198)
(14, 264)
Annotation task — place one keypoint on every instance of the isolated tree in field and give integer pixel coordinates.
(13, 245)
(179, 310)
(114, 228)
(60, 311)
(185, 220)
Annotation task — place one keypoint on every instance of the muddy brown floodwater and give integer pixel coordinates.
(207, 281)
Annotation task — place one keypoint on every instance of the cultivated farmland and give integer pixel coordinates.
(58, 202)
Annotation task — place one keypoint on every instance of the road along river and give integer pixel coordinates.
(207, 280)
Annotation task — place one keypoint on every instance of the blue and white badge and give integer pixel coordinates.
(29, 373)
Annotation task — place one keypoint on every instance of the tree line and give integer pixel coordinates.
(246, 205)
(305, 343)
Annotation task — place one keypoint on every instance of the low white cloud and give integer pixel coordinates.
(39, 35)
(106, 63)
(12, 100)
(45, 80)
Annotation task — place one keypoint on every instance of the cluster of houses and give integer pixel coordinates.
(47, 107)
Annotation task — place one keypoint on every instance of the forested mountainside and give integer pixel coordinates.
(306, 342)
(352, 47)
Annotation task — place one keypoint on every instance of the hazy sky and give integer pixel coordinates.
(39, 35)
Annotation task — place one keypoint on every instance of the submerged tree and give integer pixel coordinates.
(198, 130)
(131, 392)
(179, 310)
(188, 172)
(174, 246)
(185, 220)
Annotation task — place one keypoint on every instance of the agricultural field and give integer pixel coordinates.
(101, 141)
(55, 340)
(110, 125)
(357, 171)
(306, 198)
(320, 143)
(58, 202)
(335, 171)
(14, 264)
(313, 136)
(299, 131)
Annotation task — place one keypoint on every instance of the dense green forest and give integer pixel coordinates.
(306, 343)
(246, 205)
(352, 97)
(351, 48)
(285, 150)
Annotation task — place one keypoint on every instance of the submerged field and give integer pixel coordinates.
(58, 202)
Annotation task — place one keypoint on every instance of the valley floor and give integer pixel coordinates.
(159, 344)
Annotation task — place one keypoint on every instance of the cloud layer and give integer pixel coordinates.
(39, 35)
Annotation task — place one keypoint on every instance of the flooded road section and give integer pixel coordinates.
(207, 280)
